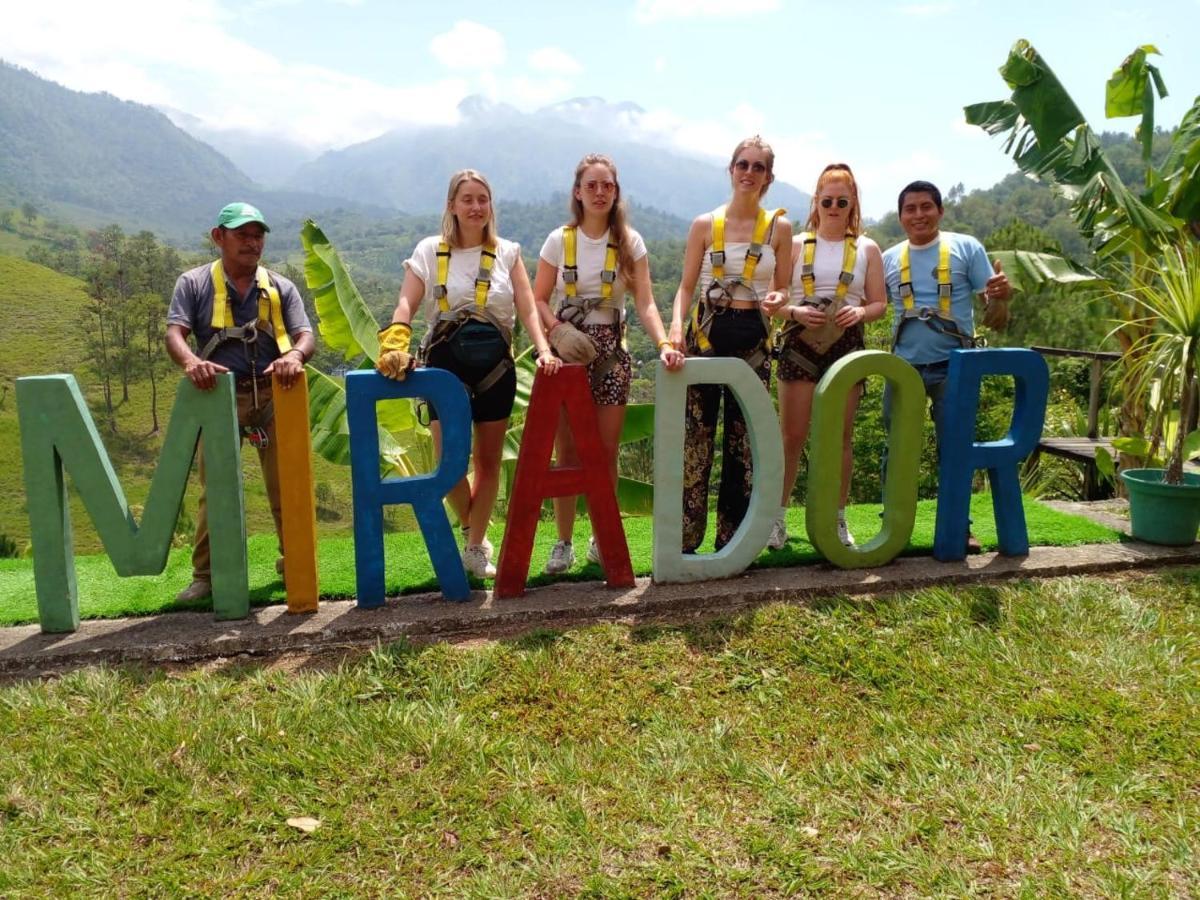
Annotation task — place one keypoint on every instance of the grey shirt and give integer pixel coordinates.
(192, 307)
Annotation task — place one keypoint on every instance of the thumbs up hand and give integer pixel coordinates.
(996, 295)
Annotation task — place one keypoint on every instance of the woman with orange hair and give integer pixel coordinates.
(837, 286)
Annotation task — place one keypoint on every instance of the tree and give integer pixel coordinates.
(29, 211)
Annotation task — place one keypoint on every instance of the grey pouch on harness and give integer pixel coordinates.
(824, 336)
(478, 345)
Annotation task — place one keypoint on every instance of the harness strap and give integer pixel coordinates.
(808, 278)
(608, 276)
(940, 320)
(270, 314)
(483, 278)
(702, 320)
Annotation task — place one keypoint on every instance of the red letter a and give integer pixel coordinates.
(536, 480)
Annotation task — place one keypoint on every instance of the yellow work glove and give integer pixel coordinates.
(394, 359)
(571, 344)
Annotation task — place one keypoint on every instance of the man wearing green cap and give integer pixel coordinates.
(249, 321)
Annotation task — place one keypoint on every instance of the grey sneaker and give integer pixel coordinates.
(593, 552)
(477, 562)
(197, 590)
(844, 534)
(779, 535)
(562, 557)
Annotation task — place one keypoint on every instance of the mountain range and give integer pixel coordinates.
(93, 159)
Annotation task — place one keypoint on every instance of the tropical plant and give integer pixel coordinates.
(1165, 367)
(1049, 139)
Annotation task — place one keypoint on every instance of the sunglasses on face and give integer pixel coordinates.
(842, 202)
(743, 165)
(599, 187)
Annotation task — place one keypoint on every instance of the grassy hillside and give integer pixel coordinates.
(45, 337)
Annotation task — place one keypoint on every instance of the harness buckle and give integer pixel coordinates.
(570, 274)
(257, 435)
(943, 291)
(717, 257)
(906, 289)
(608, 276)
(846, 278)
(925, 313)
(439, 292)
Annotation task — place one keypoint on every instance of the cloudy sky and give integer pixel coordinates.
(878, 85)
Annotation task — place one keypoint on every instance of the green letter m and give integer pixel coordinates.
(57, 433)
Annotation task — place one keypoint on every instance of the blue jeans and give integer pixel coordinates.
(933, 375)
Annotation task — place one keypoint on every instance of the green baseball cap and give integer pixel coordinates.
(235, 215)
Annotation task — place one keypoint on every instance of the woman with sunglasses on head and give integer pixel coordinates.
(472, 284)
(837, 286)
(737, 253)
(584, 271)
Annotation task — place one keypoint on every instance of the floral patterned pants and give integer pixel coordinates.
(735, 332)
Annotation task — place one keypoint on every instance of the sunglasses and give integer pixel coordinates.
(842, 202)
(743, 165)
(599, 187)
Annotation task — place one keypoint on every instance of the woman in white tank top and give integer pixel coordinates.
(727, 320)
(822, 322)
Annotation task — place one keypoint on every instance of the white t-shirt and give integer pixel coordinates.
(589, 260)
(827, 269)
(460, 280)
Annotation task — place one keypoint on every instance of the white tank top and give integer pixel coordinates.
(827, 269)
(735, 259)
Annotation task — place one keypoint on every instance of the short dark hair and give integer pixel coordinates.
(920, 187)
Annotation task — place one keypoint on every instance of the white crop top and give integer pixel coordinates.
(735, 259)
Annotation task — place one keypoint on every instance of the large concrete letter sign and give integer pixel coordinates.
(535, 480)
(425, 492)
(766, 447)
(296, 494)
(57, 433)
(825, 458)
(961, 455)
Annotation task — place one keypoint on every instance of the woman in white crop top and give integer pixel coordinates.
(588, 329)
(471, 341)
(820, 328)
(727, 320)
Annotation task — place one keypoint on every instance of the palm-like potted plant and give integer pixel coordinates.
(1165, 502)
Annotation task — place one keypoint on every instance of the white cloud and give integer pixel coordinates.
(138, 49)
(647, 12)
(927, 9)
(469, 45)
(552, 59)
(660, 62)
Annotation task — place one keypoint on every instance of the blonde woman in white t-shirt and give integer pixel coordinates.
(819, 327)
(472, 342)
(610, 260)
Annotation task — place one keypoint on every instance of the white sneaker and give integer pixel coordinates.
(485, 543)
(476, 561)
(844, 534)
(593, 552)
(197, 590)
(779, 535)
(562, 557)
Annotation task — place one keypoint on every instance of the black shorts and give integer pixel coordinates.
(496, 403)
(734, 332)
(852, 339)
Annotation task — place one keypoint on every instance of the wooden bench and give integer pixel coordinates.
(1083, 449)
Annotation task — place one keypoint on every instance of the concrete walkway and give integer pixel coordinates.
(270, 630)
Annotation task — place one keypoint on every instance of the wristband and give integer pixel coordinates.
(664, 343)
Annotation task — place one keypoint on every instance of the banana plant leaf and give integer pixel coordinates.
(344, 320)
(1129, 93)
(1029, 270)
(331, 433)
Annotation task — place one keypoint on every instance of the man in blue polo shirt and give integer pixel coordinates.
(932, 280)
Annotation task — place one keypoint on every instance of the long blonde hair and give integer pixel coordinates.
(450, 230)
(757, 142)
(836, 172)
(618, 229)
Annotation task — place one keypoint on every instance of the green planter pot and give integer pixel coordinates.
(1163, 513)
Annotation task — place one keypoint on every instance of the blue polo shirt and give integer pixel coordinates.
(969, 271)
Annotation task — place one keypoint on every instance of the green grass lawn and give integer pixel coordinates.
(103, 595)
(1027, 739)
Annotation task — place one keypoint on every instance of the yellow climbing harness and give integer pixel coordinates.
(483, 278)
(571, 271)
(940, 320)
(270, 312)
(808, 276)
(823, 337)
(720, 291)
